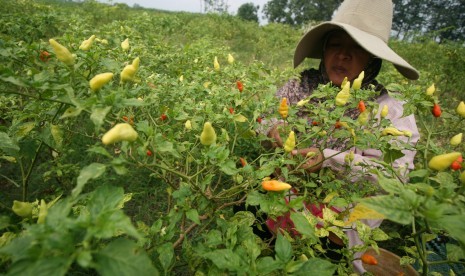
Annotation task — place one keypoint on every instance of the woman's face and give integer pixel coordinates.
(343, 57)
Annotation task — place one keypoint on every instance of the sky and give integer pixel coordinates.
(187, 5)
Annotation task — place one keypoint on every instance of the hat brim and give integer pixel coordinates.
(311, 45)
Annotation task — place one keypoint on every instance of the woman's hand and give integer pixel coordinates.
(312, 164)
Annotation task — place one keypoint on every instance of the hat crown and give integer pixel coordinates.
(371, 16)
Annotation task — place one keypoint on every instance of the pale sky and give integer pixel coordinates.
(187, 5)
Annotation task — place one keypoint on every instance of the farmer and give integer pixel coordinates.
(355, 40)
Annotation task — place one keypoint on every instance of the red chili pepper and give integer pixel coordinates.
(231, 110)
(460, 159)
(337, 124)
(125, 118)
(44, 56)
(436, 110)
(259, 120)
(361, 106)
(163, 117)
(243, 162)
(314, 123)
(369, 259)
(149, 152)
(240, 86)
(455, 165)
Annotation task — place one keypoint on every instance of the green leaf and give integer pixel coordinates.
(49, 265)
(133, 102)
(454, 225)
(390, 185)
(394, 208)
(254, 198)
(99, 150)
(302, 225)
(283, 248)
(166, 255)
(224, 259)
(71, 112)
(243, 218)
(229, 167)
(123, 257)
(98, 115)
(7, 144)
(266, 265)
(317, 267)
(193, 215)
(92, 171)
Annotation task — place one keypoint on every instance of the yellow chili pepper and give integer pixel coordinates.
(85, 45)
(43, 210)
(344, 81)
(461, 109)
(22, 209)
(358, 81)
(125, 44)
(430, 90)
(230, 59)
(188, 125)
(100, 80)
(120, 132)
(343, 96)
(130, 70)
(456, 140)
(443, 161)
(392, 131)
(283, 108)
(275, 185)
(363, 117)
(216, 64)
(208, 135)
(62, 53)
(289, 145)
(384, 111)
(302, 102)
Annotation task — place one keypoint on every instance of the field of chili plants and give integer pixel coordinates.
(129, 136)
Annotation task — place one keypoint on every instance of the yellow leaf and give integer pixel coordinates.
(361, 211)
(240, 118)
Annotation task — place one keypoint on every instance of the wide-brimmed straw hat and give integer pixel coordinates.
(368, 22)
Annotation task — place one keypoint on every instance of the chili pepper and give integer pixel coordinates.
(181, 78)
(216, 64)
(344, 81)
(22, 209)
(125, 44)
(125, 118)
(208, 135)
(337, 124)
(314, 123)
(100, 80)
(62, 53)
(86, 44)
(130, 70)
(120, 132)
(230, 59)
(363, 117)
(369, 259)
(436, 110)
(349, 157)
(358, 81)
(430, 90)
(188, 125)
(392, 131)
(407, 133)
(384, 111)
(456, 140)
(243, 162)
(443, 161)
(259, 120)
(461, 109)
(343, 96)
(275, 185)
(283, 108)
(302, 102)
(240, 86)
(361, 106)
(456, 165)
(149, 152)
(43, 211)
(163, 117)
(231, 110)
(289, 145)
(44, 56)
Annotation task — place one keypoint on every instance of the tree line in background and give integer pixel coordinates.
(443, 19)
